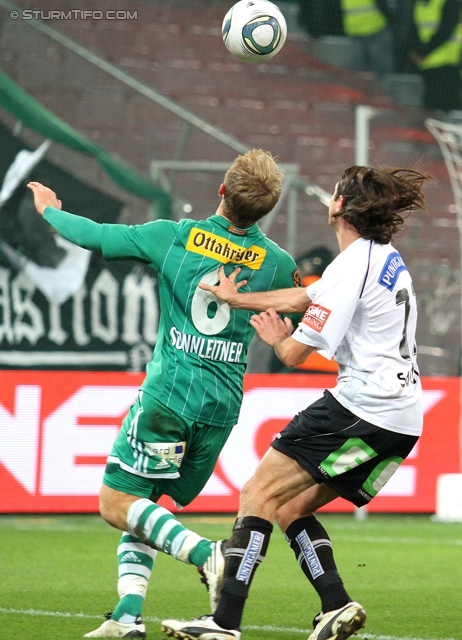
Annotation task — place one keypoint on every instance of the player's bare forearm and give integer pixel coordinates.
(277, 334)
(44, 197)
(291, 352)
(293, 300)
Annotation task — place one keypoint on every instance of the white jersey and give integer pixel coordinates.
(364, 313)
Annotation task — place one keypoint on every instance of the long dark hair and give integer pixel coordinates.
(377, 201)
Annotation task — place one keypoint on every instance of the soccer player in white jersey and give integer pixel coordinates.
(350, 442)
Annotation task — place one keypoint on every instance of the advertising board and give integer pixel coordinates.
(56, 429)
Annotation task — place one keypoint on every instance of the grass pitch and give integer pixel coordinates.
(59, 576)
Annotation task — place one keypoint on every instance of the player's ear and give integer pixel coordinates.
(222, 190)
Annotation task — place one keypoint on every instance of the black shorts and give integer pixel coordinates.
(348, 454)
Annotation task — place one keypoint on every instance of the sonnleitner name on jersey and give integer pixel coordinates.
(209, 348)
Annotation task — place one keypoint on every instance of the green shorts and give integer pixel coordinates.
(158, 452)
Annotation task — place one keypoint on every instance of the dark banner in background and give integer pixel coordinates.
(62, 307)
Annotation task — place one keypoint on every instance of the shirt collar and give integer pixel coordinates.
(239, 232)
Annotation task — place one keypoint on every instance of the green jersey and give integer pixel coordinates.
(200, 356)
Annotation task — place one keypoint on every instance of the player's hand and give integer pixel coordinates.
(228, 287)
(271, 328)
(44, 197)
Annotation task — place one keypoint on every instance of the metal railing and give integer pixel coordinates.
(293, 180)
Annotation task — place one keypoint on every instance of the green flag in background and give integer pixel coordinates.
(37, 117)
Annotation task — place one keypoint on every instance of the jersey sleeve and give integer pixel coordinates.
(334, 299)
(146, 243)
(81, 231)
(287, 273)
(288, 276)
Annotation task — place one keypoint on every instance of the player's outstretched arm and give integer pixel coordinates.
(277, 333)
(293, 300)
(81, 231)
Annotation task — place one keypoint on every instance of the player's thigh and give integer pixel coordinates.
(202, 454)
(277, 479)
(114, 505)
(305, 504)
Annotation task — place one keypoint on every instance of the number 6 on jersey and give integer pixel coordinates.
(209, 314)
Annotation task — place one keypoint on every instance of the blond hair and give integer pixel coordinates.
(253, 186)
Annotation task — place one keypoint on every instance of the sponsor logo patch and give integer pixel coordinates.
(130, 557)
(392, 268)
(251, 557)
(168, 452)
(316, 317)
(296, 278)
(236, 231)
(163, 464)
(309, 555)
(218, 248)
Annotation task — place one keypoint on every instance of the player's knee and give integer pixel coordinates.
(253, 495)
(287, 513)
(106, 511)
(247, 491)
(111, 508)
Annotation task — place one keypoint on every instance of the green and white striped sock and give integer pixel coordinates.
(158, 528)
(136, 561)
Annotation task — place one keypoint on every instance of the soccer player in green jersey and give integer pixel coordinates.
(190, 399)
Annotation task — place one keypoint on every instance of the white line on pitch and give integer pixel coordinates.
(396, 541)
(61, 614)
(47, 524)
(103, 528)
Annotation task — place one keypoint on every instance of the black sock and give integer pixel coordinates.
(313, 550)
(246, 550)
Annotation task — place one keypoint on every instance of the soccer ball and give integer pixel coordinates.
(254, 30)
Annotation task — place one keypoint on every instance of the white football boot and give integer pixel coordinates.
(203, 628)
(340, 623)
(113, 629)
(212, 572)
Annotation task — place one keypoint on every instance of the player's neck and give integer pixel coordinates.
(219, 212)
(346, 234)
(222, 215)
